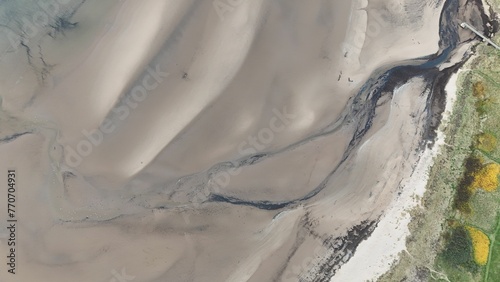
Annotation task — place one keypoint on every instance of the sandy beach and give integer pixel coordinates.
(381, 249)
(219, 140)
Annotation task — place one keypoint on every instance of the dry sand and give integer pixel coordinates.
(207, 140)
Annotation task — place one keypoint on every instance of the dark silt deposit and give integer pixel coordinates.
(343, 249)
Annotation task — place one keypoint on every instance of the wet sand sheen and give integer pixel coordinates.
(176, 141)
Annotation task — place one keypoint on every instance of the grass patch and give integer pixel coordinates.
(494, 270)
(484, 216)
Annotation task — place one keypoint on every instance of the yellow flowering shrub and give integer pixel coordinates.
(487, 177)
(480, 244)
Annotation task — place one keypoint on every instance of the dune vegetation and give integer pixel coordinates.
(468, 256)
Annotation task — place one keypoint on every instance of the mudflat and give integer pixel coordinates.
(216, 140)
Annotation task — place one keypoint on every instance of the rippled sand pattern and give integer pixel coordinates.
(201, 140)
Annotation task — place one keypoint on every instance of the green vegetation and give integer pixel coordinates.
(476, 198)
(458, 251)
(492, 273)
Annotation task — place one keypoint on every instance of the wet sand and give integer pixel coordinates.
(214, 140)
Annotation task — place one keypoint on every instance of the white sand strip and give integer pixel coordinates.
(376, 254)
